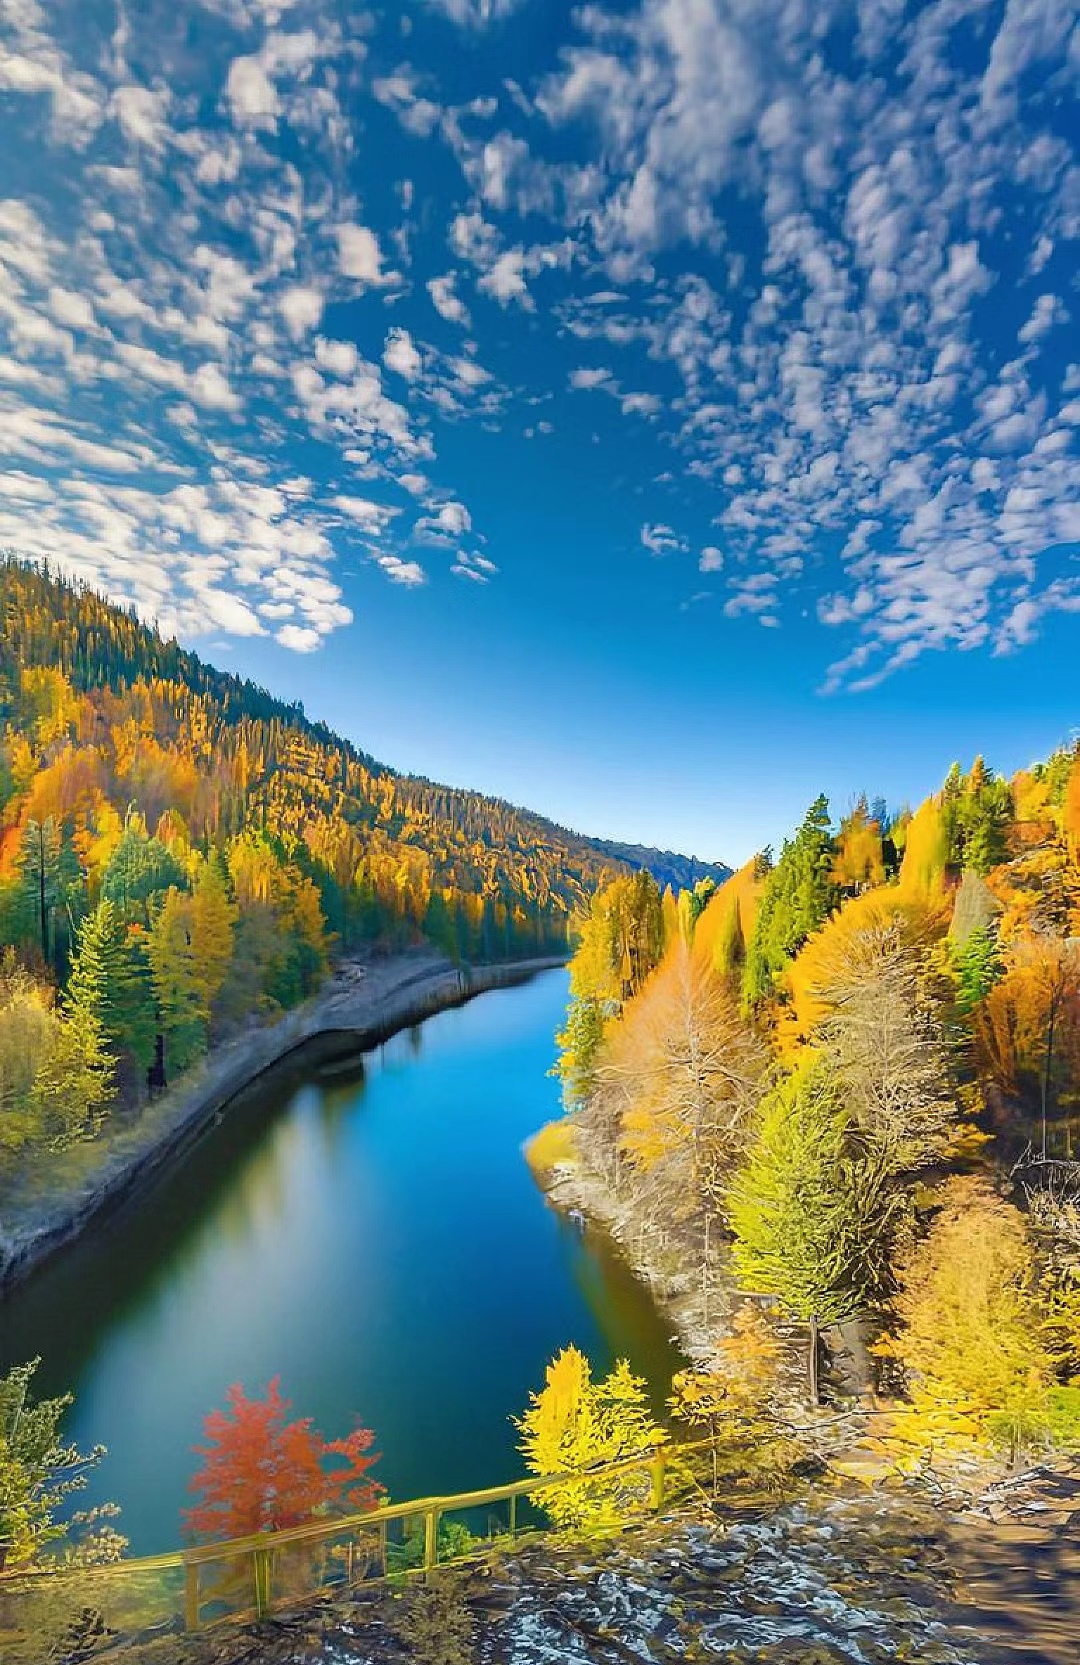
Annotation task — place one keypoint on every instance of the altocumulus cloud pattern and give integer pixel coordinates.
(259, 258)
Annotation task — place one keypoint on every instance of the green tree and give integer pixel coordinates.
(799, 895)
(110, 979)
(52, 888)
(978, 966)
(178, 986)
(75, 1081)
(805, 1217)
(140, 869)
(38, 1473)
(977, 811)
(579, 1042)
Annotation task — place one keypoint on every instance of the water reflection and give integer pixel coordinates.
(372, 1234)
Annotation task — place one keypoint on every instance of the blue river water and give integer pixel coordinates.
(375, 1238)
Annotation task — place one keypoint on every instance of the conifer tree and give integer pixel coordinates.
(110, 978)
(802, 1220)
(179, 988)
(800, 892)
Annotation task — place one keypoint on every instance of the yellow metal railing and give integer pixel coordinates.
(244, 1578)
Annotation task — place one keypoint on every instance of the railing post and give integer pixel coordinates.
(513, 1517)
(657, 1467)
(191, 1596)
(431, 1539)
(260, 1560)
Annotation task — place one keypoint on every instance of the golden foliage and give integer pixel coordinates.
(846, 947)
(972, 1341)
(574, 1424)
(738, 896)
(926, 854)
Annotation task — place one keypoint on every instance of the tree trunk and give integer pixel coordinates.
(41, 895)
(1049, 1064)
(812, 1362)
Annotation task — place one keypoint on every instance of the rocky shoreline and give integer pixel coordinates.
(696, 1317)
(362, 1005)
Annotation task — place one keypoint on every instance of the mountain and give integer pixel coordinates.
(105, 720)
(666, 866)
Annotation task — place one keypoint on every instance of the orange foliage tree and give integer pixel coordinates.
(262, 1472)
(1028, 1027)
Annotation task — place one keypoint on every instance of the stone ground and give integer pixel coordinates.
(827, 1580)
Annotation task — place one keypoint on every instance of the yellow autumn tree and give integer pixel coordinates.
(1028, 1026)
(728, 1403)
(972, 1341)
(678, 1079)
(575, 1424)
(859, 862)
(926, 854)
(849, 944)
(213, 916)
(727, 923)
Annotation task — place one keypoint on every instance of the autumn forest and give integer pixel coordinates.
(826, 1106)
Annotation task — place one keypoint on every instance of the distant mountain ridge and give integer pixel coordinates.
(666, 866)
(478, 875)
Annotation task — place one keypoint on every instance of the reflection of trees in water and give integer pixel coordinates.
(621, 1307)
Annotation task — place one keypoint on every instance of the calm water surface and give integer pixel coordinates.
(373, 1237)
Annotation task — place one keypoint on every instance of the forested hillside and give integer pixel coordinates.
(180, 851)
(845, 1092)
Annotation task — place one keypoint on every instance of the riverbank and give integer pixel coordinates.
(361, 1006)
(697, 1314)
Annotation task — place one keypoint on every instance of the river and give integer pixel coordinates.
(373, 1236)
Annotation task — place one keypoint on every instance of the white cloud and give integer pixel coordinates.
(400, 355)
(359, 256)
(409, 573)
(298, 638)
(1046, 313)
(142, 113)
(662, 540)
(506, 281)
(475, 14)
(446, 303)
(372, 517)
(589, 378)
(251, 94)
(301, 306)
(711, 559)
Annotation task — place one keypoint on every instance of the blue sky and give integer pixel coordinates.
(654, 412)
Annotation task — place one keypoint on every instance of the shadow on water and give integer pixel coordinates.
(370, 1231)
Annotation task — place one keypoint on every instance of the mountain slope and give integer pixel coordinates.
(209, 756)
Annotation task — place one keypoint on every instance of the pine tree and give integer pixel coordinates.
(800, 893)
(801, 1216)
(213, 922)
(75, 1081)
(110, 978)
